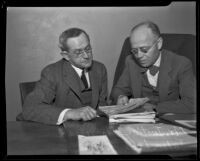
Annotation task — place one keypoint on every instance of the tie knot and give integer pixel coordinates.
(153, 70)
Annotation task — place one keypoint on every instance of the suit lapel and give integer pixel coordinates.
(137, 80)
(71, 77)
(164, 78)
(94, 84)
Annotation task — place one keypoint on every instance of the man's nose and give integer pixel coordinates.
(85, 54)
(140, 54)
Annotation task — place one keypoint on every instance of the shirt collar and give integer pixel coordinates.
(157, 63)
(78, 70)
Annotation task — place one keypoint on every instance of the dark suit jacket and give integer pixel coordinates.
(177, 92)
(58, 89)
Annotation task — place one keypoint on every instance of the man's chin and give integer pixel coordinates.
(88, 65)
(144, 65)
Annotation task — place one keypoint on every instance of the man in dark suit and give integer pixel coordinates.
(164, 77)
(70, 89)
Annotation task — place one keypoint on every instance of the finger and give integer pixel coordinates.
(83, 116)
(90, 114)
(91, 111)
(87, 117)
(132, 101)
(124, 101)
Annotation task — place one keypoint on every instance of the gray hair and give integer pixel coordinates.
(69, 33)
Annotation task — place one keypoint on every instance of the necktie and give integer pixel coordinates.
(84, 80)
(153, 70)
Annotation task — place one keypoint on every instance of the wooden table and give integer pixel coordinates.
(30, 138)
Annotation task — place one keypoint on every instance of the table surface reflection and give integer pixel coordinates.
(30, 138)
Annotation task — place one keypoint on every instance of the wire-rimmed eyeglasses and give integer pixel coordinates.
(143, 49)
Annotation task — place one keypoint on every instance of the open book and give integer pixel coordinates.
(156, 137)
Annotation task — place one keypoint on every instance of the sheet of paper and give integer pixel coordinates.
(95, 145)
(134, 117)
(135, 114)
(142, 115)
(188, 123)
(116, 109)
(131, 120)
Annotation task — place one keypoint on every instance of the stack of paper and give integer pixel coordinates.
(155, 137)
(133, 117)
(116, 109)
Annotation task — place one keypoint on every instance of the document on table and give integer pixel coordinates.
(116, 109)
(155, 137)
(95, 145)
(133, 117)
(188, 123)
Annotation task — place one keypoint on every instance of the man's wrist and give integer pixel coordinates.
(67, 115)
(61, 118)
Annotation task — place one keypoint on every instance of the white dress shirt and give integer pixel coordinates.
(154, 79)
(79, 72)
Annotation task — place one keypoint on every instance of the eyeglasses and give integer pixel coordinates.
(145, 49)
(80, 52)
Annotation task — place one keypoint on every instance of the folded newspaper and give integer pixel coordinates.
(117, 109)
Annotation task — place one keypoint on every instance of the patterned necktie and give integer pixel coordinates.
(84, 80)
(153, 70)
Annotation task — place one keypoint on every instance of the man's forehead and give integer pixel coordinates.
(80, 41)
(142, 34)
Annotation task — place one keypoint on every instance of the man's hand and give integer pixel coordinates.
(122, 100)
(149, 107)
(83, 113)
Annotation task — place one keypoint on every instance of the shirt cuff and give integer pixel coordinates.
(61, 116)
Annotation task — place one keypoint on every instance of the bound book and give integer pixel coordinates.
(156, 137)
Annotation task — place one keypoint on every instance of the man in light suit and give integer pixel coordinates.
(164, 77)
(70, 89)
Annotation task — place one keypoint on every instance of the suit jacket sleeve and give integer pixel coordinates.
(38, 105)
(187, 92)
(104, 88)
(123, 86)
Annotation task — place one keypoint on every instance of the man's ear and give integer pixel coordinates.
(65, 55)
(160, 43)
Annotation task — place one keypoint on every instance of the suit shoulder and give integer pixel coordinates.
(178, 59)
(130, 60)
(53, 66)
(98, 64)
